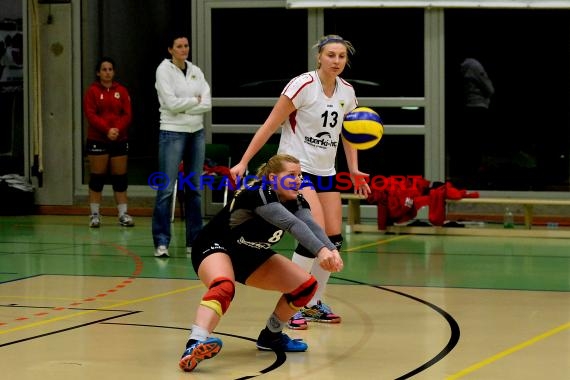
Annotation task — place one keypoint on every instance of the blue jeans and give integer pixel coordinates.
(174, 147)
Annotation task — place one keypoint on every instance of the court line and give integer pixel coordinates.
(117, 305)
(280, 356)
(509, 351)
(452, 323)
(378, 242)
(137, 271)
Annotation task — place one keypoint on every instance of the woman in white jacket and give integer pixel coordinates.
(184, 96)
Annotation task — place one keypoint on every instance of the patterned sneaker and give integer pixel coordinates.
(126, 220)
(297, 322)
(199, 351)
(94, 220)
(269, 341)
(161, 251)
(320, 313)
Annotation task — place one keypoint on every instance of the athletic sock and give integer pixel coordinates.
(304, 262)
(198, 333)
(94, 208)
(122, 208)
(322, 277)
(274, 324)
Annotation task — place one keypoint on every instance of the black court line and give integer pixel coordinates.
(453, 326)
(72, 327)
(20, 278)
(281, 356)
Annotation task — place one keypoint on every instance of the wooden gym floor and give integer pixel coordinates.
(77, 303)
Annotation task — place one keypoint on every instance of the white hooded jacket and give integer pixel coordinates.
(178, 95)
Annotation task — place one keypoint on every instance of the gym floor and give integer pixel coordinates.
(80, 303)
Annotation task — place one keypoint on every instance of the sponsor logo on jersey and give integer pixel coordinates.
(254, 244)
(321, 140)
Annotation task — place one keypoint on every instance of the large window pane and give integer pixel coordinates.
(11, 89)
(138, 45)
(389, 62)
(389, 49)
(255, 52)
(523, 143)
(394, 155)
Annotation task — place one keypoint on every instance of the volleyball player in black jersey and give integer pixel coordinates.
(236, 246)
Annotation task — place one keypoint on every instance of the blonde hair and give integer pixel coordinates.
(333, 38)
(275, 164)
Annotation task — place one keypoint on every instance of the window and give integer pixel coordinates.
(389, 44)
(11, 89)
(138, 45)
(255, 52)
(523, 142)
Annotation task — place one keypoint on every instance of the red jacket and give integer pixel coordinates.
(399, 204)
(107, 108)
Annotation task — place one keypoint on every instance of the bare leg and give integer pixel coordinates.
(200, 345)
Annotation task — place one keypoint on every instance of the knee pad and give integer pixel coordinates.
(337, 241)
(219, 295)
(303, 294)
(96, 182)
(119, 182)
(304, 252)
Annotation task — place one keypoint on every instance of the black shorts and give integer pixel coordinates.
(113, 149)
(321, 184)
(245, 260)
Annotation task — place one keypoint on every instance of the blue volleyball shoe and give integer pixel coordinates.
(198, 351)
(269, 341)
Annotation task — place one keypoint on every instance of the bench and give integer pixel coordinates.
(353, 214)
(527, 203)
(354, 224)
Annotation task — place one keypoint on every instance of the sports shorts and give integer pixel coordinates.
(321, 184)
(113, 149)
(245, 259)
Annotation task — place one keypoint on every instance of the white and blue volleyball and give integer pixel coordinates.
(362, 128)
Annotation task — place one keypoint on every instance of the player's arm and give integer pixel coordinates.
(205, 97)
(359, 179)
(167, 94)
(329, 257)
(276, 214)
(281, 110)
(306, 216)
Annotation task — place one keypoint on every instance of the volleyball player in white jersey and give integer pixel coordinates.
(310, 111)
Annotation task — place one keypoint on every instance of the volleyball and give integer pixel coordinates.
(362, 128)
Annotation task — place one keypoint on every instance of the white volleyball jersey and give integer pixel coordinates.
(312, 132)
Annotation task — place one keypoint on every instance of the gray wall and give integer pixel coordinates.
(51, 103)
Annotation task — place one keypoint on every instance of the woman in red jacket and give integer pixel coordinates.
(107, 107)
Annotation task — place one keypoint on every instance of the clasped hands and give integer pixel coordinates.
(330, 260)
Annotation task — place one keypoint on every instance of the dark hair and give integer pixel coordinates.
(173, 35)
(104, 59)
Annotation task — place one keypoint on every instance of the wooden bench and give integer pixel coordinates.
(527, 203)
(354, 224)
(353, 214)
